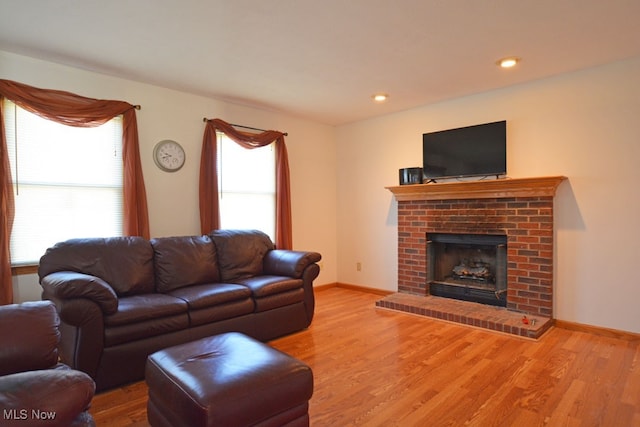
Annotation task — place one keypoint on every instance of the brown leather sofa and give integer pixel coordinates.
(122, 298)
(35, 389)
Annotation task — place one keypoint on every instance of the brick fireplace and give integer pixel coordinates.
(520, 209)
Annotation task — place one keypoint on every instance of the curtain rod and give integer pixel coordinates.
(247, 127)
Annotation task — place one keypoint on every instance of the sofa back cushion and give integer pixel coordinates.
(240, 252)
(125, 263)
(184, 261)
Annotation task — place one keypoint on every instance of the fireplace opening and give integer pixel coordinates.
(469, 267)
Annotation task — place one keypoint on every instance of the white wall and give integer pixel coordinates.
(584, 125)
(173, 197)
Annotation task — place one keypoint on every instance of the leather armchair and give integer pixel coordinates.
(35, 389)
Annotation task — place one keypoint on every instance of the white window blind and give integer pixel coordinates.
(67, 182)
(247, 186)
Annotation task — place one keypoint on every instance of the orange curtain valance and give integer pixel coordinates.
(63, 107)
(72, 110)
(209, 206)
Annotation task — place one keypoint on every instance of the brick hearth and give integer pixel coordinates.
(468, 313)
(520, 209)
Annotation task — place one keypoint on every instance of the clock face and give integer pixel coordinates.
(169, 155)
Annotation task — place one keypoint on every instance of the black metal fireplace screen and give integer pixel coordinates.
(469, 267)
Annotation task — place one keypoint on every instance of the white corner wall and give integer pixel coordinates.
(584, 125)
(173, 197)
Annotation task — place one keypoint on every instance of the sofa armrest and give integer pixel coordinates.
(82, 332)
(64, 285)
(46, 398)
(281, 262)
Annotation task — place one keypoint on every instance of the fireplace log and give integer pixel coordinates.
(477, 270)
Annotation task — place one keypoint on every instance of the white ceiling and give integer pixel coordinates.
(323, 59)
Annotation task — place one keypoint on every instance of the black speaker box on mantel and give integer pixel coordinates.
(410, 176)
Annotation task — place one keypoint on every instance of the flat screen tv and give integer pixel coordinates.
(479, 150)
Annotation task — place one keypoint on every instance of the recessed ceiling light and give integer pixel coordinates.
(508, 62)
(380, 97)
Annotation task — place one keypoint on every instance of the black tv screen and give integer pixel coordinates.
(468, 151)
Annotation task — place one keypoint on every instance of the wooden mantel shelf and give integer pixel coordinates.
(484, 189)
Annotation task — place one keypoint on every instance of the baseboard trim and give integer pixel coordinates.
(353, 288)
(320, 288)
(597, 330)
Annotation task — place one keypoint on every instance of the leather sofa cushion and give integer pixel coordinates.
(230, 310)
(214, 302)
(262, 286)
(201, 296)
(139, 331)
(143, 316)
(184, 261)
(37, 349)
(240, 253)
(139, 308)
(125, 263)
(282, 299)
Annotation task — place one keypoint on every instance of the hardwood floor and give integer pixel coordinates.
(375, 367)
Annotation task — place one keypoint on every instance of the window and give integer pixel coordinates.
(67, 182)
(247, 186)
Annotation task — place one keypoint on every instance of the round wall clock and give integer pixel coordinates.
(169, 155)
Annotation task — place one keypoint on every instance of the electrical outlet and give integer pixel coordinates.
(358, 266)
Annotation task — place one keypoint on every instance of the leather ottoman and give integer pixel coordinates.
(227, 380)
